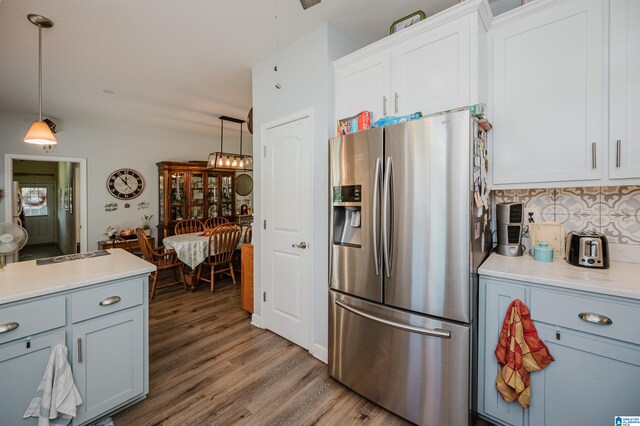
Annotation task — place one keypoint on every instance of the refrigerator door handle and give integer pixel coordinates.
(376, 205)
(387, 218)
(436, 332)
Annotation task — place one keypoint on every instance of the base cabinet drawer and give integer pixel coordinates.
(21, 369)
(108, 362)
(30, 318)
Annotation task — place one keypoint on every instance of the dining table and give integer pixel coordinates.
(192, 250)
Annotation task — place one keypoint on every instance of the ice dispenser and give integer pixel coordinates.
(347, 216)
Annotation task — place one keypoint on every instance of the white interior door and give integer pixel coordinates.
(286, 202)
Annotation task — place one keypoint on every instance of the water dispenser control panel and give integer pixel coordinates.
(347, 194)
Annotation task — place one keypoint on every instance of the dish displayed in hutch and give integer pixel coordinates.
(188, 190)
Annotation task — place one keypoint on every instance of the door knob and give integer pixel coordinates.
(302, 245)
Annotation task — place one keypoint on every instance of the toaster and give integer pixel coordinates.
(588, 249)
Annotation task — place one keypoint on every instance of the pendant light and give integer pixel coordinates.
(225, 161)
(40, 133)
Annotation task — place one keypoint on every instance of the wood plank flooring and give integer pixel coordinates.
(210, 366)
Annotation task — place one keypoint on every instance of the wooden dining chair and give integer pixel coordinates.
(164, 261)
(212, 222)
(222, 243)
(188, 226)
(248, 235)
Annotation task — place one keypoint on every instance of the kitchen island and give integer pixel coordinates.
(98, 308)
(588, 320)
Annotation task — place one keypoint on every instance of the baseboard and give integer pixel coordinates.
(319, 352)
(256, 320)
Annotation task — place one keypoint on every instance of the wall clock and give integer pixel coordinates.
(125, 184)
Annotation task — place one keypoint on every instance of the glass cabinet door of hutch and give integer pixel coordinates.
(212, 195)
(177, 197)
(197, 195)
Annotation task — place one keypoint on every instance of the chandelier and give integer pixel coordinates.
(226, 161)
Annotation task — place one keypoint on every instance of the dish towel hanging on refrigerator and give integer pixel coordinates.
(519, 352)
(57, 397)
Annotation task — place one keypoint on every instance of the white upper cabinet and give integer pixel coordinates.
(431, 70)
(624, 113)
(364, 85)
(546, 97)
(435, 65)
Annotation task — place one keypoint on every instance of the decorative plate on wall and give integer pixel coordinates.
(244, 184)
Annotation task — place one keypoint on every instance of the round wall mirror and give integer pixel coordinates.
(244, 185)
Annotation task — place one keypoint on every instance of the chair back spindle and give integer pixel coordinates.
(187, 226)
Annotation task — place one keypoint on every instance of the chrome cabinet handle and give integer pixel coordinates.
(302, 245)
(79, 349)
(618, 152)
(595, 318)
(4, 328)
(384, 105)
(436, 332)
(387, 200)
(594, 161)
(396, 102)
(110, 301)
(374, 215)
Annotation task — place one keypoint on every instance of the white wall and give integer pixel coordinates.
(306, 76)
(107, 147)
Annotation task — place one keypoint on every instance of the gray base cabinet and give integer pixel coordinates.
(104, 327)
(596, 372)
(22, 366)
(108, 365)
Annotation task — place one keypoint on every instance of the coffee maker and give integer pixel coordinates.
(510, 217)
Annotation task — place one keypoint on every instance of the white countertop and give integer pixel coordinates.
(24, 280)
(621, 279)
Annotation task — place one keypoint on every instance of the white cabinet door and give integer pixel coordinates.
(431, 70)
(624, 131)
(364, 85)
(548, 94)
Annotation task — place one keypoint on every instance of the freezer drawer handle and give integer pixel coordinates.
(595, 318)
(110, 301)
(436, 332)
(8, 326)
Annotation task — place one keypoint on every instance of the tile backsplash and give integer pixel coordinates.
(611, 210)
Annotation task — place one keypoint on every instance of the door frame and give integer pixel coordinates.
(82, 204)
(264, 128)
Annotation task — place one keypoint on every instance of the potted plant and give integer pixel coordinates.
(146, 224)
(111, 232)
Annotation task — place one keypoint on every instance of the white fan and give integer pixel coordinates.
(12, 238)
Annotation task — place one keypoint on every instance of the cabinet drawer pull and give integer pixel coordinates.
(79, 350)
(8, 327)
(594, 160)
(110, 301)
(595, 318)
(618, 152)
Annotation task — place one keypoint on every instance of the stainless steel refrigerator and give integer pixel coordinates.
(408, 230)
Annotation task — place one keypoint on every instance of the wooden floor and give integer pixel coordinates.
(210, 366)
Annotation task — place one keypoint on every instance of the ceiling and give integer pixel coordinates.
(173, 64)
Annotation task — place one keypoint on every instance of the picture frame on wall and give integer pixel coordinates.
(65, 197)
(71, 197)
(407, 21)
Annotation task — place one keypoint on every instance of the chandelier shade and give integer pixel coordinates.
(40, 134)
(227, 161)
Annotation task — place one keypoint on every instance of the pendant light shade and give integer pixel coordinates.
(40, 133)
(226, 161)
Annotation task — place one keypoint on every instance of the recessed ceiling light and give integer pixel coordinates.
(109, 92)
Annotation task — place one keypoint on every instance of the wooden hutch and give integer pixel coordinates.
(188, 190)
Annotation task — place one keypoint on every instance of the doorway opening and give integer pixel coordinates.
(47, 196)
